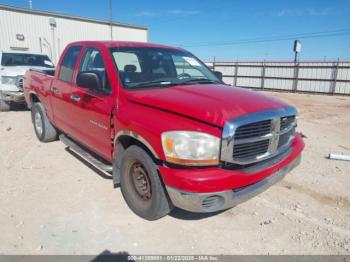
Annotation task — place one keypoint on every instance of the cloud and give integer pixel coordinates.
(184, 12)
(146, 13)
(305, 12)
(176, 12)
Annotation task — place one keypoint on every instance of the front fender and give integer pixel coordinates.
(147, 124)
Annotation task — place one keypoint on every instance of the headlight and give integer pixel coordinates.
(191, 148)
(8, 80)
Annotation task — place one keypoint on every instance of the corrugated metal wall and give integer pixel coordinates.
(314, 77)
(38, 35)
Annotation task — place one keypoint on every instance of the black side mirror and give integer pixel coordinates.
(90, 80)
(218, 75)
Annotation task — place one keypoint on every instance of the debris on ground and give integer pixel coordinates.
(339, 157)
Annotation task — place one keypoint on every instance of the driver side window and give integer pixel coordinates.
(93, 62)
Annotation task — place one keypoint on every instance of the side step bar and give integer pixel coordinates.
(86, 155)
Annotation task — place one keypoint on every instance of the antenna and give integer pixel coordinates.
(30, 2)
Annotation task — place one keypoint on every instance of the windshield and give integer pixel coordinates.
(16, 59)
(141, 67)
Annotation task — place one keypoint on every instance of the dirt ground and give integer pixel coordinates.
(52, 203)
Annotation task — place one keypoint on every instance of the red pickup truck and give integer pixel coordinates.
(164, 125)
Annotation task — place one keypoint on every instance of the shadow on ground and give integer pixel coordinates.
(110, 256)
(19, 107)
(175, 213)
(186, 215)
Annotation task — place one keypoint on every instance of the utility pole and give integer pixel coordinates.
(111, 17)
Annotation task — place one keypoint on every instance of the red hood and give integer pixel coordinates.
(214, 104)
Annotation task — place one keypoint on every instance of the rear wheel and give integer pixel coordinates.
(44, 130)
(141, 185)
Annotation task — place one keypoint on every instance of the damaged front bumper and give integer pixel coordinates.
(215, 201)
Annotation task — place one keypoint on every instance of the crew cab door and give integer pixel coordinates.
(91, 109)
(61, 89)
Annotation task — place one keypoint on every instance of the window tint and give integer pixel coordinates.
(68, 64)
(93, 62)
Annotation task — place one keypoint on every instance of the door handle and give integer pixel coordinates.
(55, 89)
(75, 98)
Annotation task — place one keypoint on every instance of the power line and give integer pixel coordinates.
(339, 32)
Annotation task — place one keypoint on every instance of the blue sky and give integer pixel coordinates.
(211, 28)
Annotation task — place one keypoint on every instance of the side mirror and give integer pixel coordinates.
(89, 80)
(218, 75)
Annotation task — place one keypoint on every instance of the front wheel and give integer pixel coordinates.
(141, 185)
(44, 130)
(4, 105)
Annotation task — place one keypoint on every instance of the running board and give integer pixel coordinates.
(86, 155)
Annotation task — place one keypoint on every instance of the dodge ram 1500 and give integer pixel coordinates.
(165, 126)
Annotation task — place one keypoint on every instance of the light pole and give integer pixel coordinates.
(111, 17)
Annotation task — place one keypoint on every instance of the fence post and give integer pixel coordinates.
(334, 77)
(263, 68)
(295, 76)
(236, 73)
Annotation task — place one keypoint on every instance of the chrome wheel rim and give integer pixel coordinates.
(38, 123)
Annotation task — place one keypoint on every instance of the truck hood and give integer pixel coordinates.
(213, 104)
(19, 70)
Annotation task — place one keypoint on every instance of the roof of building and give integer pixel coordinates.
(60, 15)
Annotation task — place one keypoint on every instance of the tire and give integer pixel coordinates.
(4, 106)
(145, 196)
(43, 128)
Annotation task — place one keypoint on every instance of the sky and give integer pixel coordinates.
(228, 29)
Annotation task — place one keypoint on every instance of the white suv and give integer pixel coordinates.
(13, 67)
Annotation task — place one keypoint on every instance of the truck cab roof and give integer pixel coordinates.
(111, 44)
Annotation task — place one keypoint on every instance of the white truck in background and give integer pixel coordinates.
(13, 66)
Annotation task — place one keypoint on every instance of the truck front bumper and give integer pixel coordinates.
(215, 201)
(12, 96)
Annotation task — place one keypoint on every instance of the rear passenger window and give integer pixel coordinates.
(93, 62)
(68, 64)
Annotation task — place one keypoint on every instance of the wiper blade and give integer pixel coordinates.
(200, 81)
(153, 83)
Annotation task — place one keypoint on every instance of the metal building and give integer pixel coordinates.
(47, 32)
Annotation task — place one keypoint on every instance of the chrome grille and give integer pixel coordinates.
(252, 130)
(19, 83)
(247, 150)
(287, 121)
(284, 138)
(256, 137)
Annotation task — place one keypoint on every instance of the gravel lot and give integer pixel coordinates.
(52, 203)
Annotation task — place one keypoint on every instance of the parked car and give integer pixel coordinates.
(168, 129)
(13, 66)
